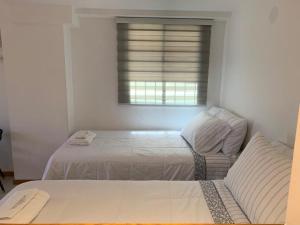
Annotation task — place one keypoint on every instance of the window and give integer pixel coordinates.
(163, 61)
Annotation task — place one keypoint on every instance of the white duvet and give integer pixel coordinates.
(124, 155)
(121, 202)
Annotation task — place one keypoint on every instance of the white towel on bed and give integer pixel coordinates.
(23, 206)
(83, 134)
(82, 138)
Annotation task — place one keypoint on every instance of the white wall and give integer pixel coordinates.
(261, 80)
(69, 76)
(34, 63)
(94, 57)
(5, 146)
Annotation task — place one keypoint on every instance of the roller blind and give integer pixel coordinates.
(163, 61)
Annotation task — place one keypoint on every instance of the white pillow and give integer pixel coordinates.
(206, 133)
(235, 139)
(259, 181)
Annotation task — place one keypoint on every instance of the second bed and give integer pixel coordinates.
(135, 155)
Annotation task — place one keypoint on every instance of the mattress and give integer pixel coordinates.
(145, 202)
(135, 155)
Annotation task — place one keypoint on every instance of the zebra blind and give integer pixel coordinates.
(163, 61)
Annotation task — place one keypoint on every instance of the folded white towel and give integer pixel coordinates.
(82, 138)
(83, 134)
(23, 206)
(16, 203)
(80, 142)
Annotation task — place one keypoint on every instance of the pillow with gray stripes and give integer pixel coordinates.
(235, 139)
(206, 133)
(259, 181)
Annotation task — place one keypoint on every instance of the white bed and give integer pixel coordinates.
(255, 190)
(135, 202)
(135, 155)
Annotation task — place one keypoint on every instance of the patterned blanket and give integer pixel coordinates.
(200, 166)
(211, 167)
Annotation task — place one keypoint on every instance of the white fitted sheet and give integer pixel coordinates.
(121, 202)
(124, 155)
(132, 155)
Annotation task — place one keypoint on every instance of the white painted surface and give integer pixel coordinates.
(262, 73)
(94, 56)
(34, 65)
(69, 76)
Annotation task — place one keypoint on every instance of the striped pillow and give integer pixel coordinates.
(235, 139)
(283, 148)
(259, 181)
(206, 133)
(230, 204)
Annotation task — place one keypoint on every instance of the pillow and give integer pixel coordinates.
(235, 139)
(283, 148)
(206, 133)
(259, 181)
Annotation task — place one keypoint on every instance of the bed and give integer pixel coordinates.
(204, 150)
(255, 190)
(135, 202)
(135, 155)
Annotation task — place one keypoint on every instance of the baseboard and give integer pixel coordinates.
(8, 173)
(17, 182)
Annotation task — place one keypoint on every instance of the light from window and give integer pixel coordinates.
(163, 93)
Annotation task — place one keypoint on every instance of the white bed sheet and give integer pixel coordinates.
(121, 202)
(124, 155)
